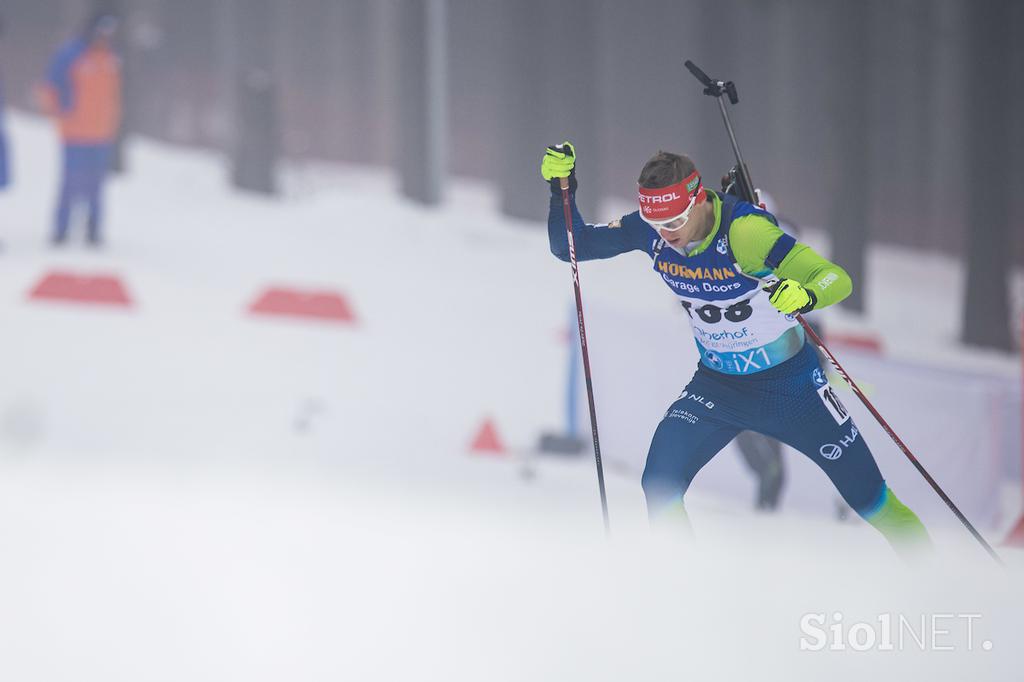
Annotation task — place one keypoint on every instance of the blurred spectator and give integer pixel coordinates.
(5, 175)
(762, 454)
(83, 94)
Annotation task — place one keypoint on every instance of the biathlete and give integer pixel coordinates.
(756, 369)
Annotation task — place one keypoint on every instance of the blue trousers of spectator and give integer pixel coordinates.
(4, 172)
(85, 169)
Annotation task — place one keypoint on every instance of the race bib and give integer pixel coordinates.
(832, 403)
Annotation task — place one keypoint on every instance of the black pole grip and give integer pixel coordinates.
(698, 74)
(730, 90)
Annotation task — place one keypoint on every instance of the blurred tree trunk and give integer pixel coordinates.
(849, 118)
(257, 129)
(706, 138)
(946, 120)
(549, 75)
(422, 100)
(574, 101)
(986, 184)
(522, 76)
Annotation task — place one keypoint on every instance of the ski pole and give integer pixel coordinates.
(720, 89)
(564, 184)
(896, 439)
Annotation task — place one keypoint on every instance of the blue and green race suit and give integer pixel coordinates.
(756, 370)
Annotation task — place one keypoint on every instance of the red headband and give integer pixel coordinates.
(667, 203)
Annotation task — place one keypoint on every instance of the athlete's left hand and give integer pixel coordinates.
(789, 296)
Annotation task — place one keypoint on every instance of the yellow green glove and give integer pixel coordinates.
(789, 296)
(558, 161)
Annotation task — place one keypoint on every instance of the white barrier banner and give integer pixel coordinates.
(964, 427)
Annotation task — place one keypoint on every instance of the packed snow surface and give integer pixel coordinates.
(190, 492)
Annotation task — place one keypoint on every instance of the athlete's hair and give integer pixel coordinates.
(664, 169)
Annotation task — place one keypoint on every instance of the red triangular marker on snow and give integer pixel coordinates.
(1016, 536)
(487, 441)
(77, 288)
(319, 305)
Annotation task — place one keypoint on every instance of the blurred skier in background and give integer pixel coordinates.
(756, 371)
(763, 455)
(83, 94)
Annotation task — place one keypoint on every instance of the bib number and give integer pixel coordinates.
(737, 312)
(833, 405)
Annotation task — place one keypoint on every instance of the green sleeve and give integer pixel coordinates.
(752, 238)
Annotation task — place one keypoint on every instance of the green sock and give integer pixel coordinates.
(673, 517)
(899, 525)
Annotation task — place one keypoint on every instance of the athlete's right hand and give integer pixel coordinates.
(558, 162)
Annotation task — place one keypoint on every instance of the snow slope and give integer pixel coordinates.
(188, 492)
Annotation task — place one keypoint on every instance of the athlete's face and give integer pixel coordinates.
(689, 228)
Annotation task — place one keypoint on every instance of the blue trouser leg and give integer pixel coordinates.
(797, 416)
(63, 217)
(686, 439)
(85, 167)
(68, 191)
(5, 174)
(853, 472)
(93, 198)
(99, 163)
(795, 413)
(782, 402)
